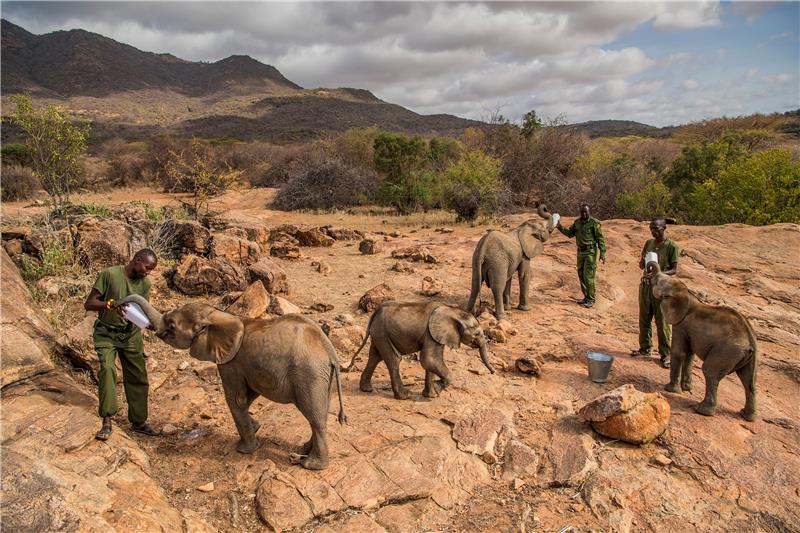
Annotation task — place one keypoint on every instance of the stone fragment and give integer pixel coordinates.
(507, 327)
(321, 267)
(479, 431)
(402, 266)
(193, 523)
(281, 306)
(415, 253)
(181, 237)
(342, 234)
(497, 335)
(198, 276)
(360, 523)
(444, 230)
(662, 460)
(314, 237)
(570, 454)
(628, 414)
(13, 247)
(258, 233)
(208, 487)
(517, 484)
(76, 344)
(285, 250)
(234, 249)
(345, 338)
(270, 274)
(430, 286)
(184, 365)
(530, 365)
(280, 505)
(519, 460)
(102, 243)
(370, 247)
(252, 303)
(320, 307)
(376, 296)
(169, 429)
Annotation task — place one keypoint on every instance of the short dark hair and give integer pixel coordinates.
(659, 221)
(587, 206)
(146, 253)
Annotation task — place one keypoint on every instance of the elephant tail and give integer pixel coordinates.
(477, 275)
(366, 337)
(342, 417)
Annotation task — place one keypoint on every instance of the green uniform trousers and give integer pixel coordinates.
(649, 307)
(587, 266)
(108, 343)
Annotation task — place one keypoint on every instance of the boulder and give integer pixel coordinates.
(13, 246)
(376, 296)
(102, 243)
(197, 276)
(370, 247)
(27, 338)
(345, 338)
(628, 414)
(430, 286)
(497, 335)
(258, 233)
(483, 432)
(402, 266)
(342, 234)
(322, 267)
(270, 274)
(16, 232)
(314, 237)
(234, 249)
(519, 460)
(77, 345)
(530, 365)
(281, 306)
(252, 303)
(182, 237)
(415, 253)
(285, 250)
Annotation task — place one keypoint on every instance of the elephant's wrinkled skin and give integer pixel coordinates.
(499, 255)
(286, 360)
(399, 328)
(720, 336)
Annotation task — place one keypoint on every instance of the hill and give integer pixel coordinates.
(130, 93)
(619, 128)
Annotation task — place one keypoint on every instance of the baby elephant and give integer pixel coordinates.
(287, 360)
(402, 328)
(720, 336)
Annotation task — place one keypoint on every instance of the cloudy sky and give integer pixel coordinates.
(655, 62)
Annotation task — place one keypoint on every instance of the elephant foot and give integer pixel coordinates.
(750, 416)
(672, 387)
(247, 447)
(686, 387)
(500, 316)
(705, 409)
(402, 395)
(523, 307)
(365, 387)
(314, 463)
(430, 393)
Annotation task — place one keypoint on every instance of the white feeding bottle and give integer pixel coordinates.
(133, 313)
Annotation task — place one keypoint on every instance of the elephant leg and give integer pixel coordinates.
(498, 288)
(507, 294)
(747, 376)
(524, 273)
(679, 354)
(313, 404)
(430, 390)
(365, 384)
(391, 357)
(686, 372)
(251, 396)
(238, 404)
(433, 363)
(709, 404)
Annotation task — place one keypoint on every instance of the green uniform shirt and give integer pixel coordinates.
(113, 284)
(668, 254)
(588, 235)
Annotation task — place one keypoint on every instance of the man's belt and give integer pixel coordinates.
(127, 328)
(586, 248)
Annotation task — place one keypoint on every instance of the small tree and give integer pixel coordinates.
(530, 123)
(401, 160)
(472, 185)
(55, 144)
(196, 171)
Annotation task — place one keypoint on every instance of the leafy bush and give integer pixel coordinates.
(98, 210)
(18, 183)
(56, 145)
(472, 185)
(356, 147)
(654, 200)
(401, 159)
(443, 152)
(327, 183)
(17, 154)
(57, 258)
(762, 188)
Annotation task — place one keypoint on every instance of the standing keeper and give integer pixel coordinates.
(114, 336)
(589, 238)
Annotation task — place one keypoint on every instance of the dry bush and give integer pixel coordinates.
(158, 153)
(356, 147)
(758, 131)
(326, 183)
(18, 183)
(289, 162)
(655, 154)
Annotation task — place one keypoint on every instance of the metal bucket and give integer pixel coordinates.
(599, 366)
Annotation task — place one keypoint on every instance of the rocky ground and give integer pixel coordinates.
(501, 452)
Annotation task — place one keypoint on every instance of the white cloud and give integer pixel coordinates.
(690, 85)
(687, 15)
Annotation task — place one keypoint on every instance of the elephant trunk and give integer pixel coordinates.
(542, 211)
(485, 356)
(155, 318)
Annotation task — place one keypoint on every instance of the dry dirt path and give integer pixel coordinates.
(395, 465)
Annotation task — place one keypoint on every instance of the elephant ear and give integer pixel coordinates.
(443, 326)
(531, 239)
(219, 339)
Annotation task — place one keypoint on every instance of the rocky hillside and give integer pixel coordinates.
(129, 93)
(495, 452)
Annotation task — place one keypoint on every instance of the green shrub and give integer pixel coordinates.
(98, 210)
(651, 201)
(154, 213)
(356, 147)
(18, 183)
(16, 154)
(57, 258)
(472, 185)
(401, 159)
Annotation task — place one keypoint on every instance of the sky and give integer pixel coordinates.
(661, 63)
